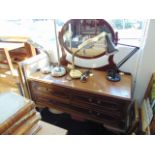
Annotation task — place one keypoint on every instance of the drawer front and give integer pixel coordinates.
(46, 89)
(85, 112)
(96, 107)
(102, 104)
(116, 112)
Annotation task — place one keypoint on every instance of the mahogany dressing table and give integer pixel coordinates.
(98, 99)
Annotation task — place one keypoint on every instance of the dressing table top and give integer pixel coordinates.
(97, 84)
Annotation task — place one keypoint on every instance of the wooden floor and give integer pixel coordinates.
(7, 81)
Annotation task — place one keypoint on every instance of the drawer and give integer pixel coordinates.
(81, 109)
(47, 99)
(77, 103)
(99, 105)
(115, 112)
(46, 89)
(103, 104)
(85, 113)
(99, 100)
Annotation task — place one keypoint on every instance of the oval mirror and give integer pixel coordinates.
(87, 38)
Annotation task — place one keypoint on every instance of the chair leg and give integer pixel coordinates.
(9, 60)
(31, 51)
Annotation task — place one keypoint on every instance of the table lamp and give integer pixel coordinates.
(113, 73)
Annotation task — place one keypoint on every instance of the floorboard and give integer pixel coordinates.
(8, 82)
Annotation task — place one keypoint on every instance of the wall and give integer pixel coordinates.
(146, 65)
(142, 64)
(130, 65)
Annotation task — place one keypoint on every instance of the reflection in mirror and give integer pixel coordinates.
(94, 35)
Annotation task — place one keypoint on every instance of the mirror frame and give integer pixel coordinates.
(64, 49)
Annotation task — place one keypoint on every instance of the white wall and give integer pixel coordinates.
(130, 65)
(147, 63)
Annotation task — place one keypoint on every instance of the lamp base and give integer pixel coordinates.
(113, 76)
(58, 71)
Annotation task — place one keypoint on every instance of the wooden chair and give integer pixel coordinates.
(7, 55)
(15, 48)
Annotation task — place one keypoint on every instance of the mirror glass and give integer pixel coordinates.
(88, 36)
